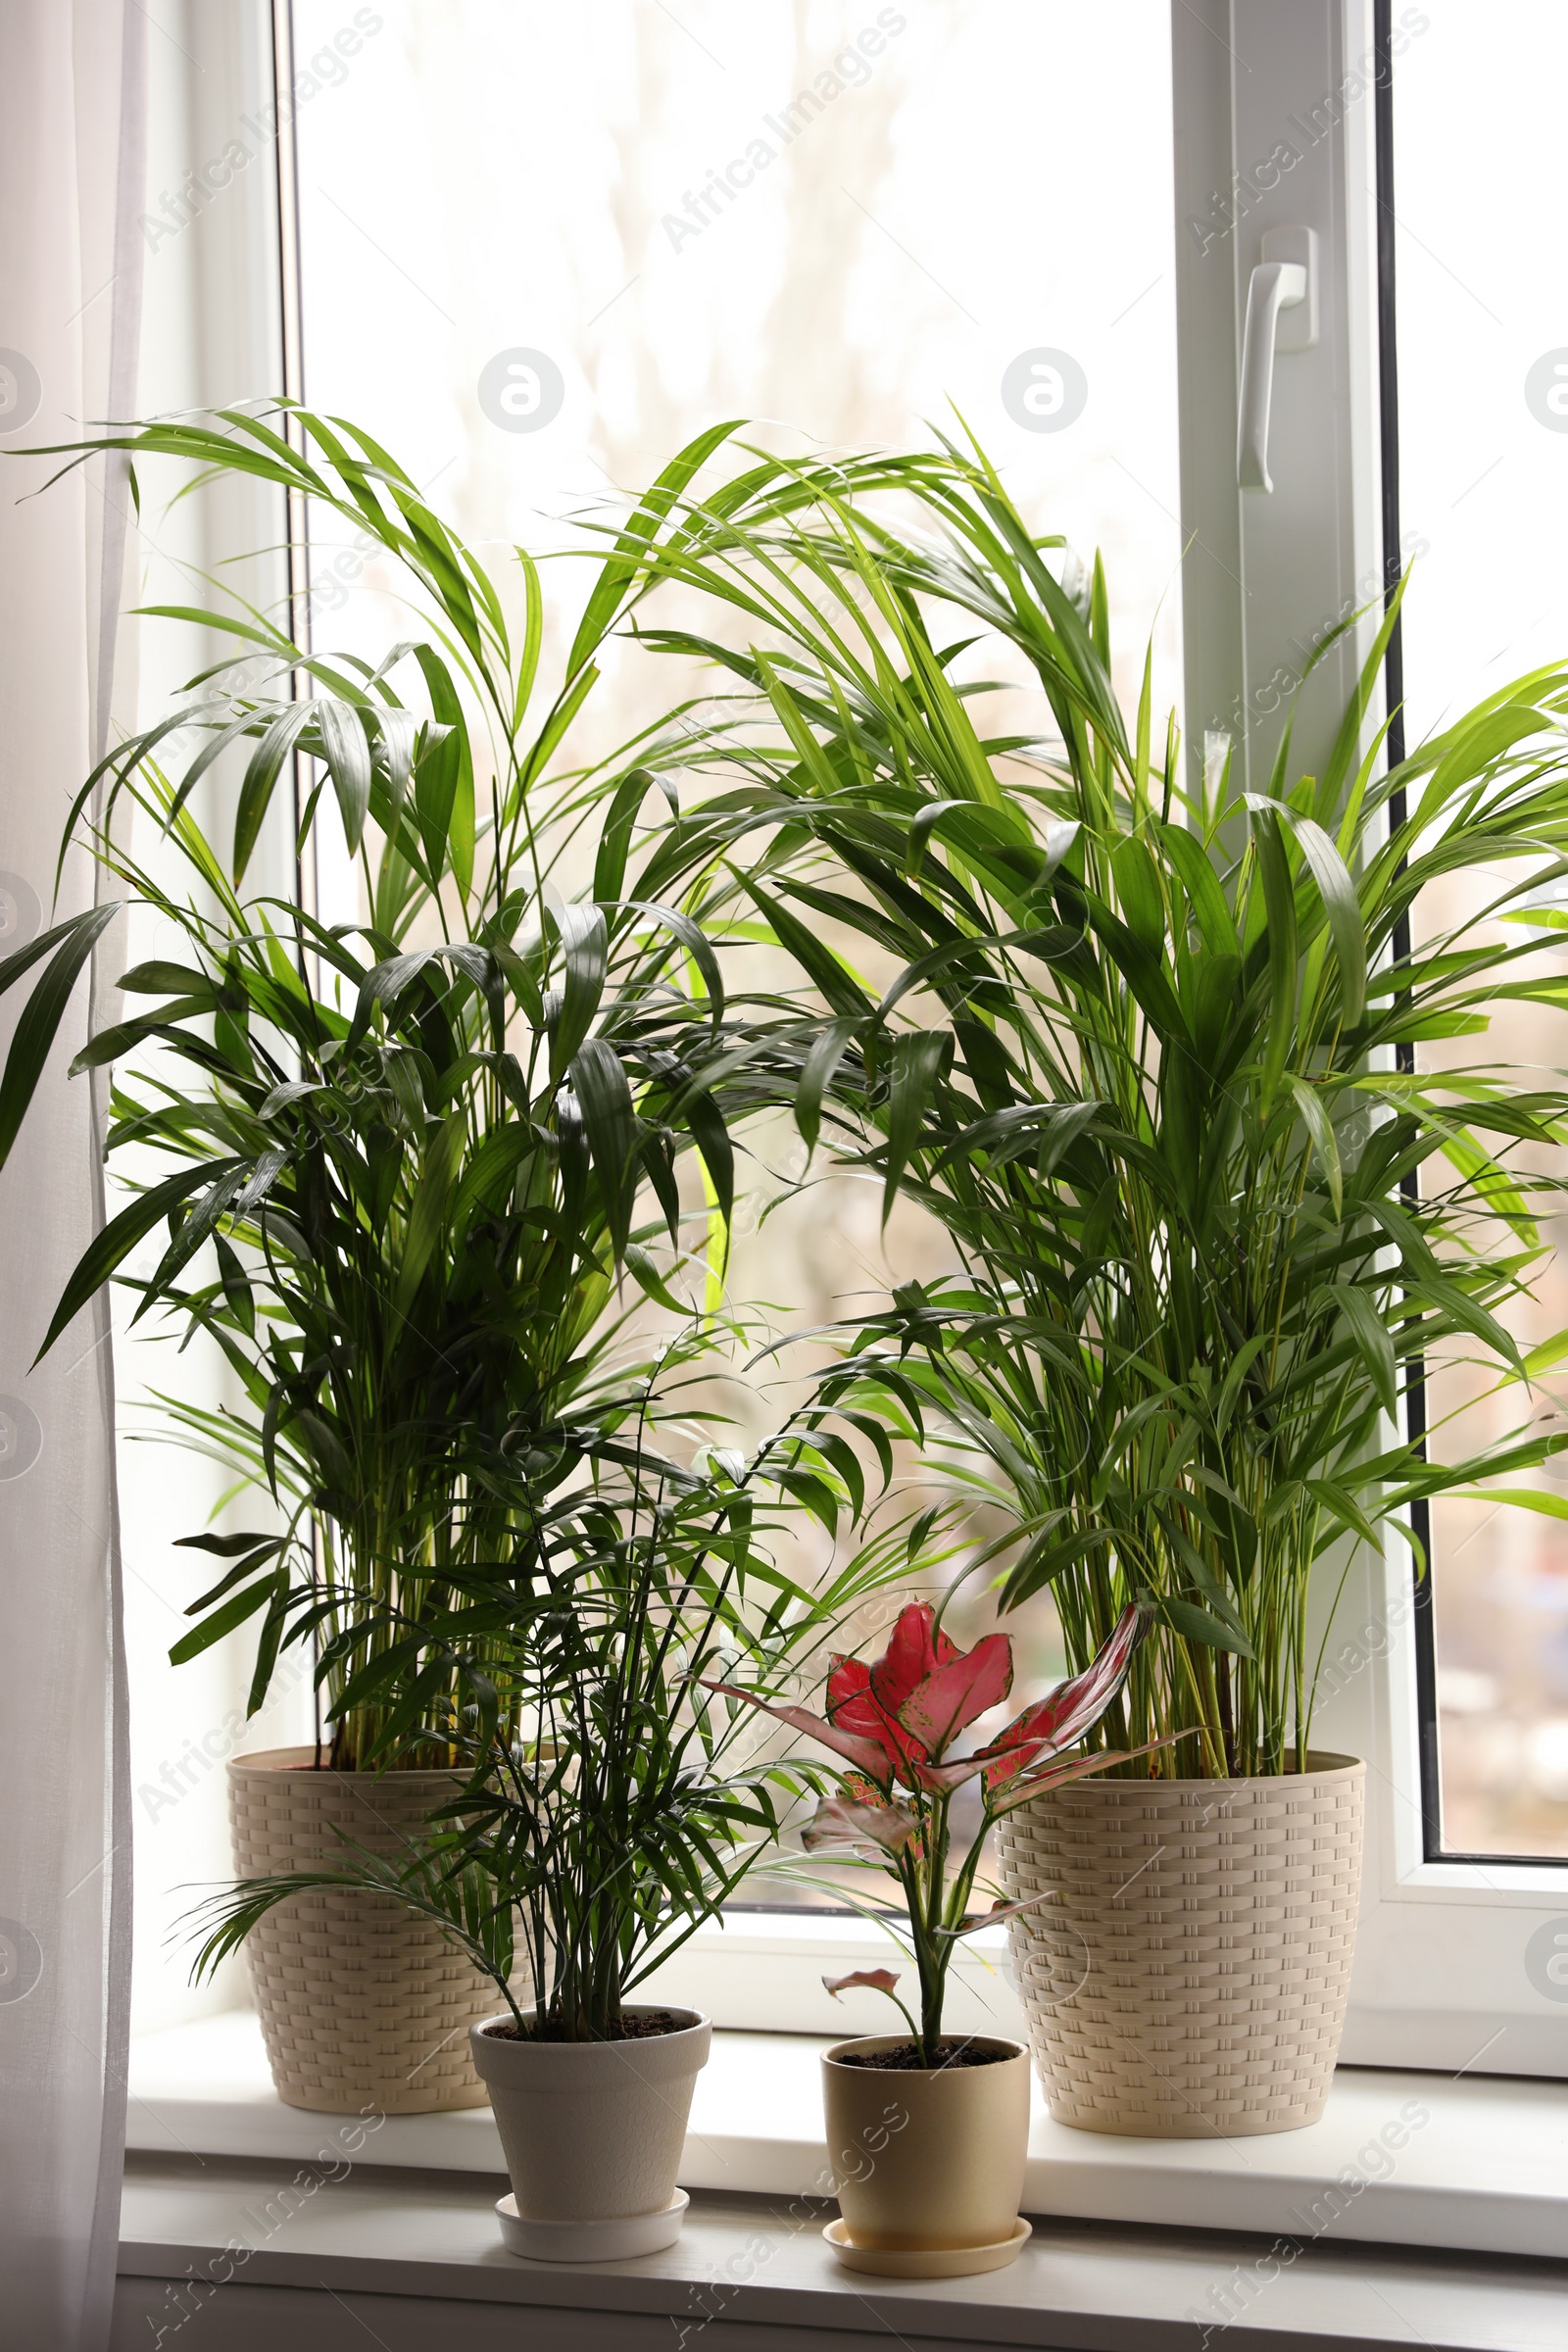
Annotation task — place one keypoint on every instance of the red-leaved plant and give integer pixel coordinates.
(894, 1721)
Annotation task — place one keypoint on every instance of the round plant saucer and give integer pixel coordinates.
(930, 2262)
(616, 2240)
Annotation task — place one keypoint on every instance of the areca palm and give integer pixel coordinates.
(405, 1163)
(1148, 1058)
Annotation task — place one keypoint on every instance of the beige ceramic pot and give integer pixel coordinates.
(1188, 1977)
(362, 2004)
(927, 2161)
(593, 2130)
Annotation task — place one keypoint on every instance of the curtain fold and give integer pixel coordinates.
(73, 106)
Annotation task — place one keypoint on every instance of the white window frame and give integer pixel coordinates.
(1274, 126)
(211, 334)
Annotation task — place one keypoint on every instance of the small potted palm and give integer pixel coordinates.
(607, 1809)
(928, 2130)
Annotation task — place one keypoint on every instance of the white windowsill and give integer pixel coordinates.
(1487, 2172)
(414, 2260)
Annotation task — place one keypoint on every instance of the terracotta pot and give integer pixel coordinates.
(1189, 1977)
(593, 2130)
(927, 2161)
(362, 2004)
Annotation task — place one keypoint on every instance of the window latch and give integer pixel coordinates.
(1281, 316)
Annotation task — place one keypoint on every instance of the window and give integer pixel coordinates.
(1277, 117)
(834, 219)
(1482, 402)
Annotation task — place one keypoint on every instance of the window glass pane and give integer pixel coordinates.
(1482, 371)
(839, 220)
(544, 247)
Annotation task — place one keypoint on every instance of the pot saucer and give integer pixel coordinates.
(614, 2240)
(930, 2262)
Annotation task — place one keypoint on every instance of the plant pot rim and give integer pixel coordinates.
(304, 1758)
(892, 2042)
(695, 2019)
(1321, 1764)
(590, 2069)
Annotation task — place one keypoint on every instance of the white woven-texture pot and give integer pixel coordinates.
(593, 2130)
(1188, 1978)
(362, 2004)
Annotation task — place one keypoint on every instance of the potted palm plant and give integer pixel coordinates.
(403, 1165)
(608, 1810)
(943, 2118)
(1153, 1059)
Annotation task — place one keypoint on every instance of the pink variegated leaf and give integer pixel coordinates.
(973, 1920)
(877, 1980)
(1044, 1730)
(1074, 1708)
(935, 1778)
(847, 1679)
(840, 1823)
(1036, 1783)
(916, 1648)
(871, 1758)
(853, 1706)
(864, 1699)
(950, 1697)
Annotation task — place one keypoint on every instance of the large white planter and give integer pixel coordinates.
(1188, 1977)
(363, 2003)
(593, 2133)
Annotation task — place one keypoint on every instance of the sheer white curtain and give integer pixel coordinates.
(72, 145)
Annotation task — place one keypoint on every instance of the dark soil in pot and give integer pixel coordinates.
(905, 2059)
(630, 2029)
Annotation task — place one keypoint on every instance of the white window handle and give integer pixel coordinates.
(1283, 280)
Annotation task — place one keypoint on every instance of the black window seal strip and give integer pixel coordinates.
(1415, 1394)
